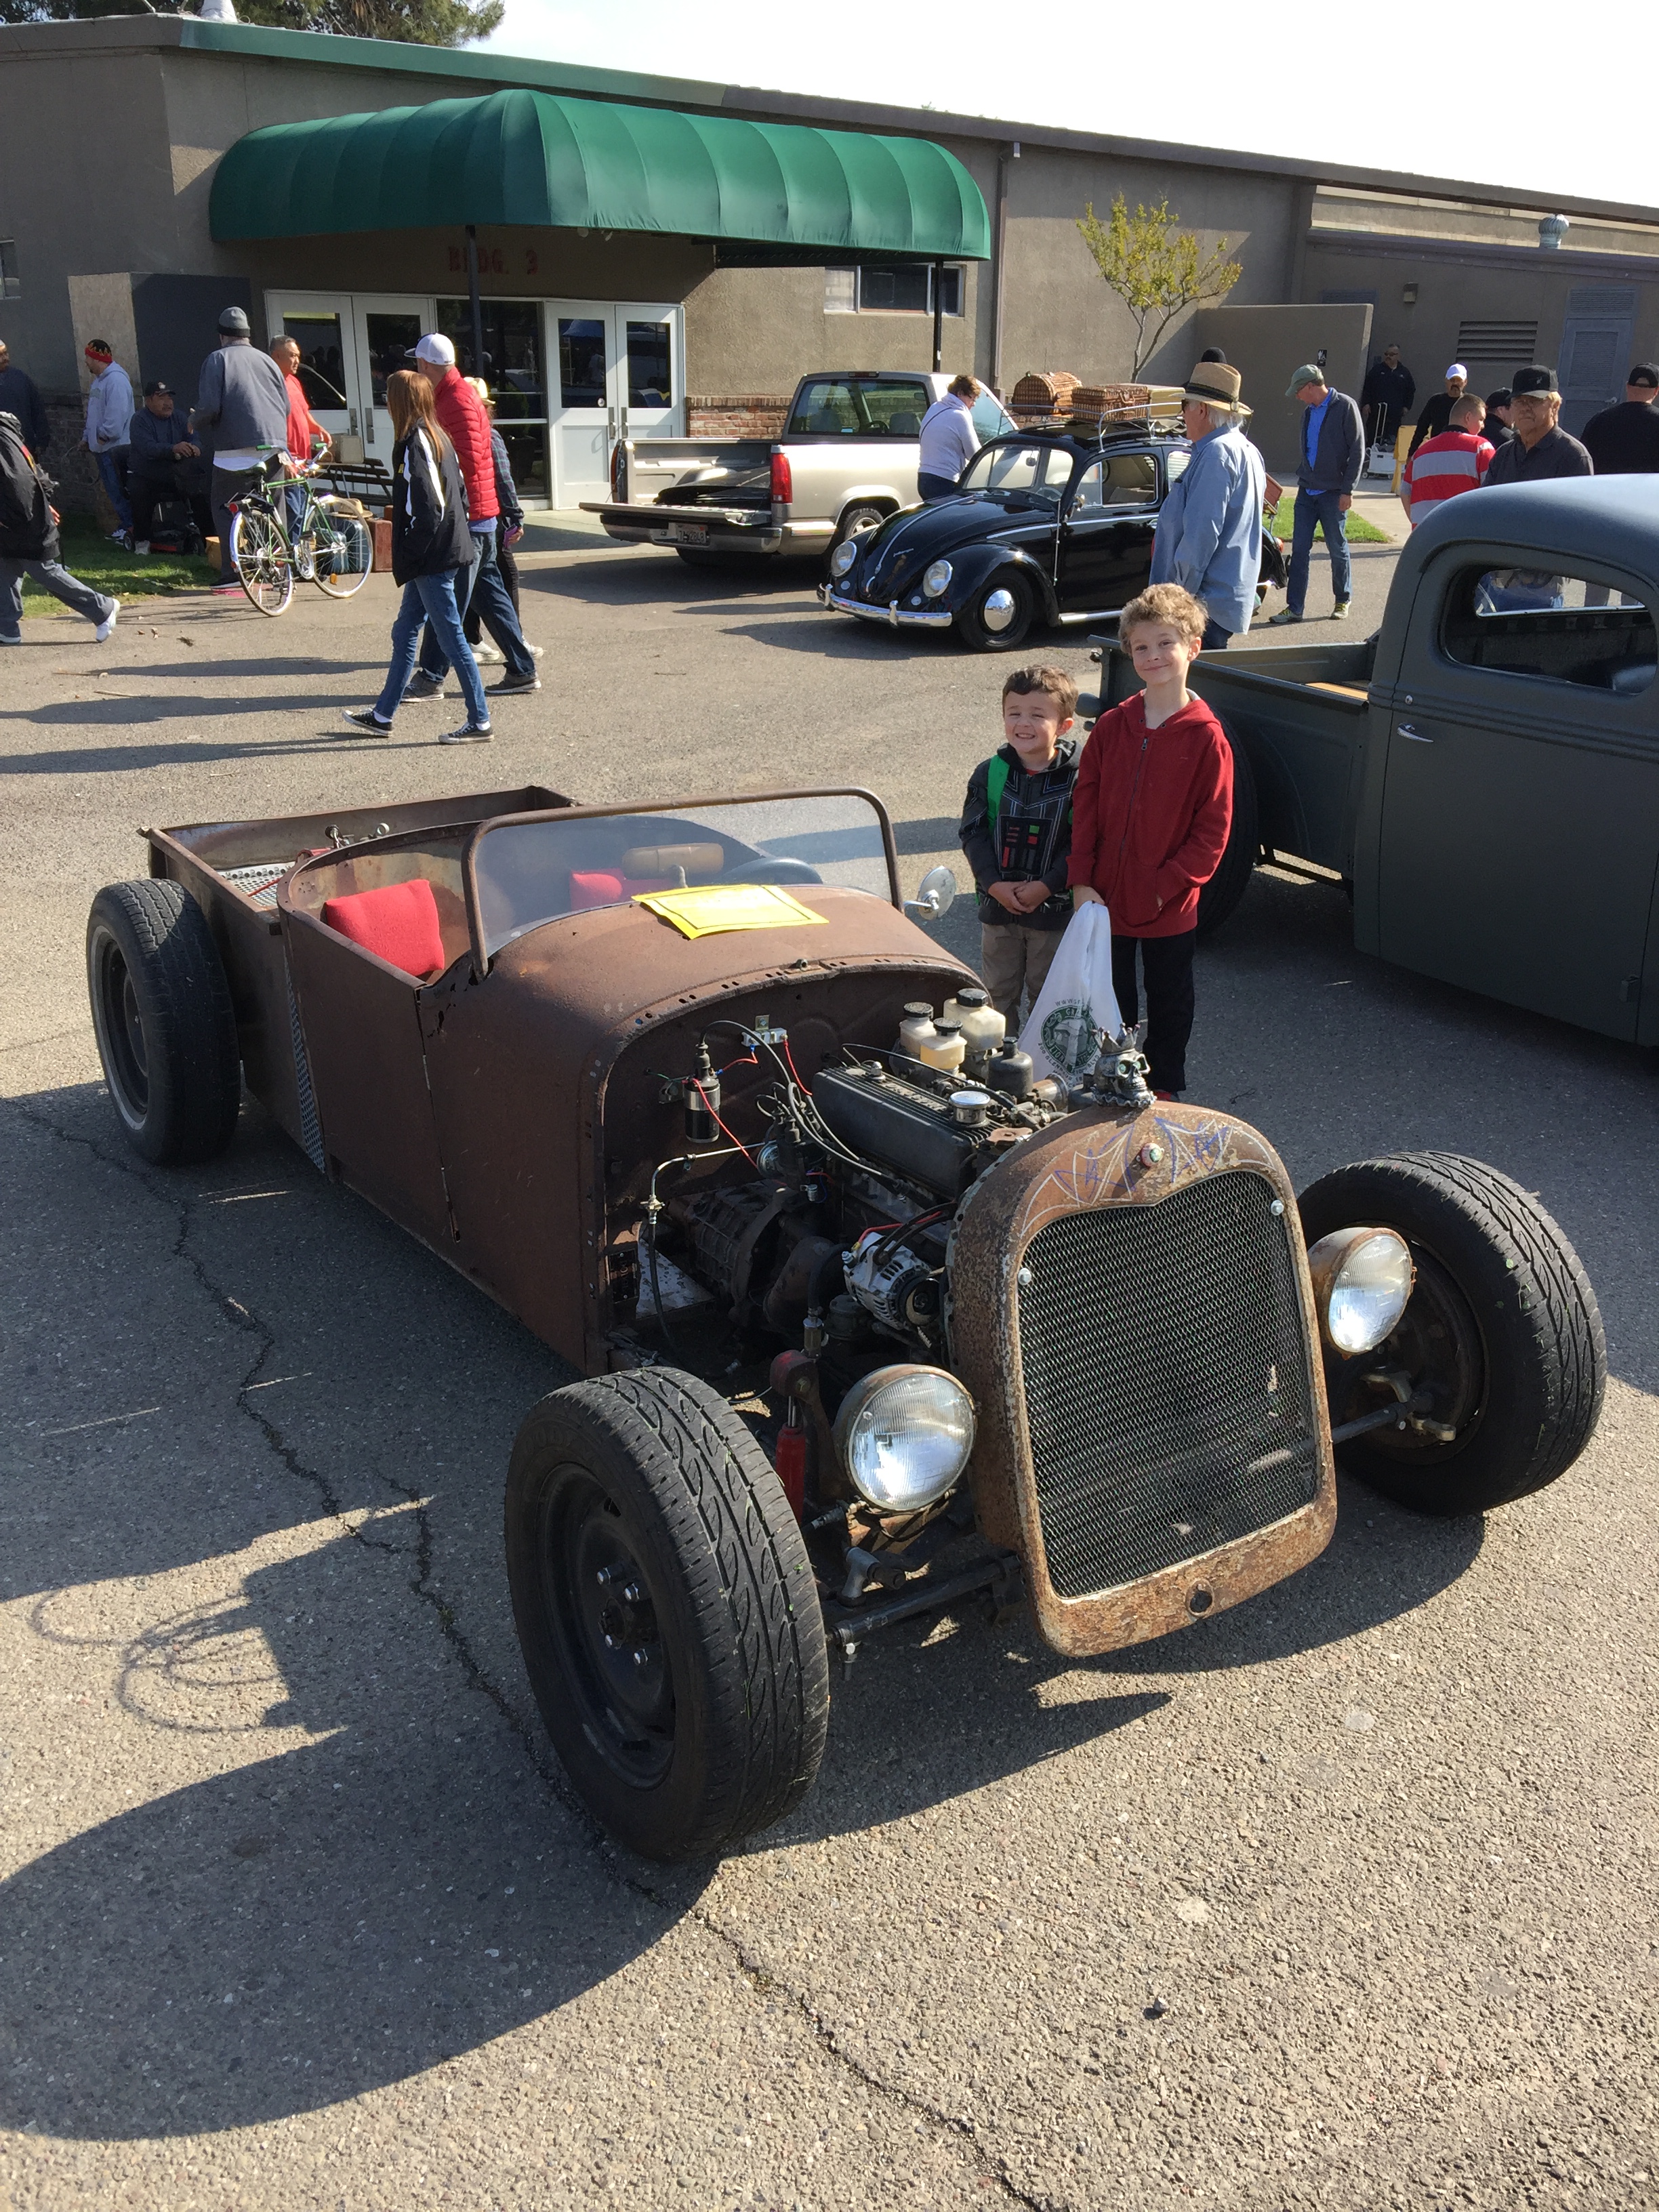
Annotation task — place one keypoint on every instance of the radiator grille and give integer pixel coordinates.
(1167, 1383)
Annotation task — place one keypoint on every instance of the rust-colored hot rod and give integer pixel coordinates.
(637, 1073)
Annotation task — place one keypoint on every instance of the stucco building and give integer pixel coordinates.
(658, 254)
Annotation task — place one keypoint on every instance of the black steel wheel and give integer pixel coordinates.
(164, 1021)
(1221, 895)
(260, 555)
(666, 1612)
(1500, 1354)
(999, 614)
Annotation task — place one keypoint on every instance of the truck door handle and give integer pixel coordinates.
(1416, 736)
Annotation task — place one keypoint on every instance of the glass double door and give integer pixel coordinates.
(618, 372)
(349, 343)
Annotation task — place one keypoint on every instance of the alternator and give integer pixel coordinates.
(892, 1283)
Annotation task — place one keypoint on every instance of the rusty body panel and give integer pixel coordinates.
(1091, 1161)
(248, 932)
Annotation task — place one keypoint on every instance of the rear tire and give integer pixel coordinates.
(857, 522)
(359, 536)
(1221, 895)
(260, 555)
(666, 1611)
(975, 630)
(1503, 1331)
(165, 1025)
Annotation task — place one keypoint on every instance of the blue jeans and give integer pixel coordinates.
(113, 467)
(479, 590)
(932, 487)
(431, 600)
(1313, 509)
(1216, 638)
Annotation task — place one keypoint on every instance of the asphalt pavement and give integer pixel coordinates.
(1344, 1900)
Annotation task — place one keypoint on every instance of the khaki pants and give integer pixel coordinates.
(1015, 964)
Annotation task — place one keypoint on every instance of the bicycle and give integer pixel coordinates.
(333, 547)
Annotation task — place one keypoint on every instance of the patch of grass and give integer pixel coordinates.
(1360, 533)
(89, 555)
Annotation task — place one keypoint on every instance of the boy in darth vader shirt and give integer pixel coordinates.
(1015, 831)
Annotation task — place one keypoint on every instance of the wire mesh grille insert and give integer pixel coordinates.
(1167, 1383)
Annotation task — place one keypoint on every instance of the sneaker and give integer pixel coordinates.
(1339, 611)
(470, 733)
(10, 641)
(1169, 1097)
(488, 653)
(538, 650)
(511, 683)
(1284, 615)
(365, 718)
(422, 686)
(123, 537)
(109, 622)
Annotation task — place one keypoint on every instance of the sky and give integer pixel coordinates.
(1508, 97)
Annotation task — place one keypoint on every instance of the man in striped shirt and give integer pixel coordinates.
(1456, 460)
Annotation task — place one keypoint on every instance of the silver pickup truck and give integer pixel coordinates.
(846, 460)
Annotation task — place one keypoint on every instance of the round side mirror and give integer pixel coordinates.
(934, 894)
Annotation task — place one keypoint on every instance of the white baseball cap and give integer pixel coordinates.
(436, 348)
(1456, 369)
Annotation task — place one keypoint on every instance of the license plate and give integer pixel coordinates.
(687, 534)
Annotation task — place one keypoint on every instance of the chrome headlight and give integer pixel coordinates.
(843, 556)
(1362, 1281)
(937, 581)
(903, 1435)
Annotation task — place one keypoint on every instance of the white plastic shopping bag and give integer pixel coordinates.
(1062, 1032)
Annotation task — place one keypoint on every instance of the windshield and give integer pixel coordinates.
(1020, 472)
(991, 418)
(859, 407)
(529, 873)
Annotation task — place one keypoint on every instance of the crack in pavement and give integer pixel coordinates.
(960, 2130)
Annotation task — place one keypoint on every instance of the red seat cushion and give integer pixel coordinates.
(399, 922)
(591, 887)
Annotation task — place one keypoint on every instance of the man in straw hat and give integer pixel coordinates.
(1330, 456)
(1209, 528)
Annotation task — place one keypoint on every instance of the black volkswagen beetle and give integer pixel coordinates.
(1048, 525)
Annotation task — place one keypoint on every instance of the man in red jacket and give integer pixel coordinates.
(463, 415)
(1151, 808)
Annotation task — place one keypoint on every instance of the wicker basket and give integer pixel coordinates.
(1094, 401)
(1042, 393)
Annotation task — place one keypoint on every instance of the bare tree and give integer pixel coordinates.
(1155, 268)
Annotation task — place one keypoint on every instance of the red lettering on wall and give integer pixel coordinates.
(455, 262)
(532, 266)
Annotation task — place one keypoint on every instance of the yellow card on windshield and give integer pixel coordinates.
(707, 908)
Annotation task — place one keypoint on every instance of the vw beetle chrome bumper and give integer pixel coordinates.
(893, 614)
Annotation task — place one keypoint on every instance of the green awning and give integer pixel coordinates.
(538, 158)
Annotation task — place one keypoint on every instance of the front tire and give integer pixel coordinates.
(666, 1612)
(1221, 895)
(988, 626)
(1503, 1334)
(358, 541)
(164, 1021)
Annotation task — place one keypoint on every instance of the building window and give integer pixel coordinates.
(1513, 344)
(9, 287)
(893, 287)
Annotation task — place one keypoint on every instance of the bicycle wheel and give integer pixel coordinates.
(344, 547)
(259, 554)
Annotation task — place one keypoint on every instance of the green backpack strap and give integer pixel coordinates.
(996, 782)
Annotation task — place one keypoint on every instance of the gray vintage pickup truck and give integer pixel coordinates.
(846, 460)
(1484, 771)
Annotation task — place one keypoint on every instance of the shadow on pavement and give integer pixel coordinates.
(309, 1926)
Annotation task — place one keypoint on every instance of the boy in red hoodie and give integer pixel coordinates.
(1151, 808)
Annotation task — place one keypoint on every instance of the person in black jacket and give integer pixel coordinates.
(1436, 409)
(29, 544)
(19, 395)
(429, 547)
(1386, 396)
(1498, 430)
(158, 470)
(1623, 440)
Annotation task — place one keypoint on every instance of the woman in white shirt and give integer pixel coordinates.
(949, 439)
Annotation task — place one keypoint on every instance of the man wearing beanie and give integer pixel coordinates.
(1209, 527)
(109, 427)
(242, 403)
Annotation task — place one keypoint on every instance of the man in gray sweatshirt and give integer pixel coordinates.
(241, 402)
